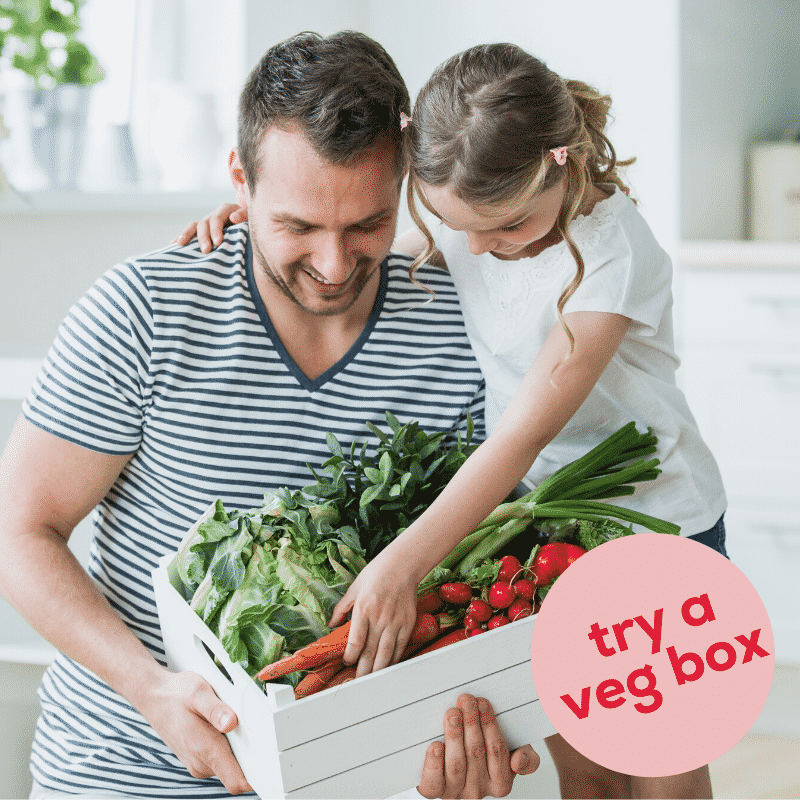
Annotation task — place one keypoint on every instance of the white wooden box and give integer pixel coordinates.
(366, 738)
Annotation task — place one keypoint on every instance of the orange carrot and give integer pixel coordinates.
(318, 679)
(424, 633)
(313, 655)
(343, 676)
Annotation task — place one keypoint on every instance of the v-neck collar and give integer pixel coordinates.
(306, 382)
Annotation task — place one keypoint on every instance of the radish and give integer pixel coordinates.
(457, 593)
(501, 595)
(426, 629)
(498, 621)
(552, 559)
(470, 623)
(510, 568)
(524, 588)
(518, 609)
(479, 609)
(429, 603)
(477, 631)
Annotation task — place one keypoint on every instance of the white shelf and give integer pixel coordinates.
(43, 655)
(737, 254)
(75, 202)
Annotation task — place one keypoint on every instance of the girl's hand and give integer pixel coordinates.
(384, 606)
(209, 229)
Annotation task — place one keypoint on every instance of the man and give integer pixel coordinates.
(182, 377)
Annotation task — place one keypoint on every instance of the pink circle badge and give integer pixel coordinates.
(652, 655)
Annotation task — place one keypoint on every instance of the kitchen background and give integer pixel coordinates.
(697, 85)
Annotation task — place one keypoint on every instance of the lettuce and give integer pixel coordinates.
(310, 577)
(266, 580)
(242, 626)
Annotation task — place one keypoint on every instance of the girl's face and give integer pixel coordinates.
(518, 235)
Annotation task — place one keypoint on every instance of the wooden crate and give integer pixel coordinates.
(366, 738)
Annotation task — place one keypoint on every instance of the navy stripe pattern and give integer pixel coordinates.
(171, 356)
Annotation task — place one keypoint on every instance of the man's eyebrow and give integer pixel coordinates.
(302, 223)
(290, 218)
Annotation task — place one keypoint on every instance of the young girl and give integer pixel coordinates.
(567, 301)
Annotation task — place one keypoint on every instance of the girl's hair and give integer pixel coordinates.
(484, 125)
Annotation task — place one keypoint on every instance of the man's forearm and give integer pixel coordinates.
(44, 581)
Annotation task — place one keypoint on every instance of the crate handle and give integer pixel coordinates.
(205, 650)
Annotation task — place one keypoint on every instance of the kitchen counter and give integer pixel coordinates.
(739, 255)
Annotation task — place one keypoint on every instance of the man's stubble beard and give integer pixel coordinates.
(285, 289)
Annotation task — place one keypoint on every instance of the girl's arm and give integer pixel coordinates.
(382, 597)
(209, 230)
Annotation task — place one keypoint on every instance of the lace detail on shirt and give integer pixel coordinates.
(513, 284)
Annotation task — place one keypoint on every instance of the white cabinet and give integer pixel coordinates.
(741, 375)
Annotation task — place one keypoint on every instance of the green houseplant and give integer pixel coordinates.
(39, 38)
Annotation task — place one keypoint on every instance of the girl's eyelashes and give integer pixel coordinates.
(515, 227)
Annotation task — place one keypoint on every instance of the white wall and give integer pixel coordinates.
(268, 22)
(624, 47)
(732, 95)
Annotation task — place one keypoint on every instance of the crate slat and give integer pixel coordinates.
(527, 724)
(419, 722)
(406, 683)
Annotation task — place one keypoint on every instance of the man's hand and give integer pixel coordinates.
(474, 761)
(186, 713)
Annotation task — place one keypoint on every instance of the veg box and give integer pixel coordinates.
(363, 739)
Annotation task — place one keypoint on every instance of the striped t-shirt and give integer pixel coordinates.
(172, 356)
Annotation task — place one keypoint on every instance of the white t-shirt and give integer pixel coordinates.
(510, 308)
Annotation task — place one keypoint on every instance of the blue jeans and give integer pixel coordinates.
(714, 537)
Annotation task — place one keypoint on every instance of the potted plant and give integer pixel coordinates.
(38, 38)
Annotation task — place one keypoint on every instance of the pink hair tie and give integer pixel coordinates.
(404, 120)
(559, 155)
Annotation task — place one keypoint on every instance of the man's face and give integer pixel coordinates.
(319, 231)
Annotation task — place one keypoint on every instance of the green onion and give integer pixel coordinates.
(572, 492)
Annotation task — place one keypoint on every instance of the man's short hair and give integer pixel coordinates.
(343, 91)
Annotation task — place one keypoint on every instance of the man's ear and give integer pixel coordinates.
(238, 179)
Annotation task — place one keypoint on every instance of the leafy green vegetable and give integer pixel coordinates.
(591, 533)
(266, 580)
(543, 590)
(380, 496)
(242, 625)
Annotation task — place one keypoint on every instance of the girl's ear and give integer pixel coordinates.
(238, 179)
